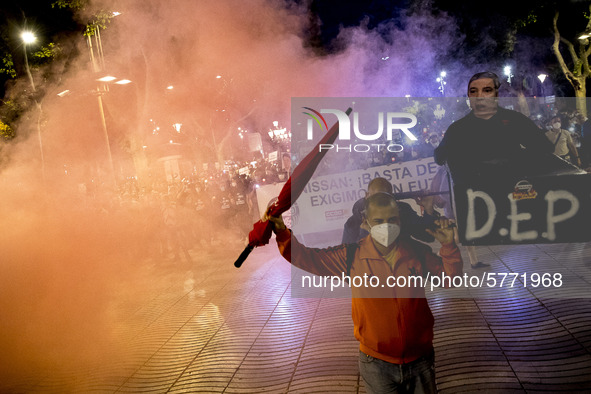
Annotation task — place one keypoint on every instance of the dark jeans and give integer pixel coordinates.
(383, 377)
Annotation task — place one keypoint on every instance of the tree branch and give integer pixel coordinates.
(556, 49)
(585, 59)
(571, 50)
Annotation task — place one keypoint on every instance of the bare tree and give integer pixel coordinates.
(577, 76)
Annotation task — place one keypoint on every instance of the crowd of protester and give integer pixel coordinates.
(572, 123)
(182, 217)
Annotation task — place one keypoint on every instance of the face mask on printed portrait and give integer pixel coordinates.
(385, 233)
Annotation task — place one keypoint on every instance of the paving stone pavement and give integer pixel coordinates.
(209, 327)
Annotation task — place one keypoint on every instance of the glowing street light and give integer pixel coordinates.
(28, 37)
(542, 78)
(107, 78)
(508, 73)
(110, 78)
(442, 82)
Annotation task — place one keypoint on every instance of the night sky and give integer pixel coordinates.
(484, 26)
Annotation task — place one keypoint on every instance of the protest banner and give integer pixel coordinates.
(327, 200)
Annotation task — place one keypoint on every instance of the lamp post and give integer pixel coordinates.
(99, 65)
(542, 78)
(29, 38)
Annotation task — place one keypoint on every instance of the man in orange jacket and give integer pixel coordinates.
(393, 323)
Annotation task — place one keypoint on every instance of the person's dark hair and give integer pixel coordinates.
(486, 74)
(380, 200)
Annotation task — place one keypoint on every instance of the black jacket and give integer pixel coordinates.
(506, 138)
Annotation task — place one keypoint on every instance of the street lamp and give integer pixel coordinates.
(442, 83)
(29, 38)
(98, 65)
(542, 78)
(508, 73)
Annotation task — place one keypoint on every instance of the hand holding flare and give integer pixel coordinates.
(261, 232)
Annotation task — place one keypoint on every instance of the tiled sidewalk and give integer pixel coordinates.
(213, 328)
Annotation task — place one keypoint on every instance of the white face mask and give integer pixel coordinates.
(556, 125)
(385, 234)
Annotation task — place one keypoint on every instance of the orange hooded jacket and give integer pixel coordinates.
(394, 324)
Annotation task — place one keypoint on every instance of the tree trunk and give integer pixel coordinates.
(581, 97)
